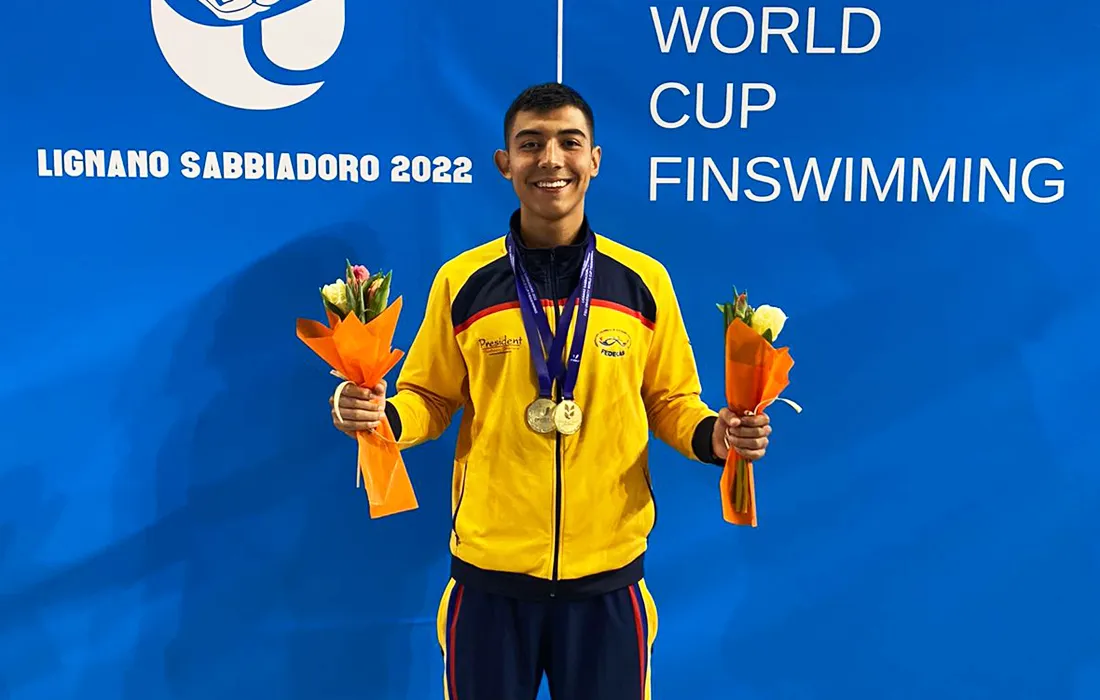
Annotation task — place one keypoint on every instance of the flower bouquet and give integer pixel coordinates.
(357, 345)
(756, 373)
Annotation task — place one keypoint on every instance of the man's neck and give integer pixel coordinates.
(540, 233)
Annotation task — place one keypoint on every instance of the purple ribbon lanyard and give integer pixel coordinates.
(573, 366)
(538, 325)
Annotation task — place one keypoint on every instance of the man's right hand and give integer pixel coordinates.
(362, 410)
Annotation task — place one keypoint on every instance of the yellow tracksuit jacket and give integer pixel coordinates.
(551, 515)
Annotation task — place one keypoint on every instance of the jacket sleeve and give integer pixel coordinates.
(431, 386)
(671, 389)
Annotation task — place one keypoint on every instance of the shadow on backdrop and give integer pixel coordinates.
(25, 611)
(264, 576)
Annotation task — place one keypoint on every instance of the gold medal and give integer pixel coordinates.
(567, 417)
(540, 416)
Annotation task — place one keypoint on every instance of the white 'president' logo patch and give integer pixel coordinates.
(213, 59)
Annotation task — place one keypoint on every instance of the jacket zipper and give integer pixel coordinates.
(557, 443)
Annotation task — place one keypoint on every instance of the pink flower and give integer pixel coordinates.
(359, 274)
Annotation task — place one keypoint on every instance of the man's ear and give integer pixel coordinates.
(597, 155)
(500, 158)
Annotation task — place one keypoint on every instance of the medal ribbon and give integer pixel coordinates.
(538, 325)
(572, 368)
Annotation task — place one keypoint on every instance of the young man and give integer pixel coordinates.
(552, 503)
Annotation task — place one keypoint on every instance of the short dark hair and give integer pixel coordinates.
(543, 98)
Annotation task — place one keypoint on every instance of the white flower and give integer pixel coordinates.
(767, 317)
(336, 294)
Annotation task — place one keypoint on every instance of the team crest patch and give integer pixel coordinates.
(612, 342)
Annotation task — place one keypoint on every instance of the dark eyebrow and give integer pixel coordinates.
(535, 132)
(574, 132)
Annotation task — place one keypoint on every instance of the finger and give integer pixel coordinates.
(353, 426)
(751, 455)
(358, 415)
(362, 413)
(359, 395)
(347, 403)
(340, 402)
(344, 426)
(729, 418)
(353, 390)
(352, 395)
(358, 427)
(750, 443)
(747, 432)
(756, 421)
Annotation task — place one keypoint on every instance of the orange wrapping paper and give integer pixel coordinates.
(362, 354)
(756, 374)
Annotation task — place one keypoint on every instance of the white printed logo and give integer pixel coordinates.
(212, 59)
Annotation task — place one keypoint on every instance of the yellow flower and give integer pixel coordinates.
(336, 294)
(768, 317)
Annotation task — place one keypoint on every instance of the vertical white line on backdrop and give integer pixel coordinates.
(561, 13)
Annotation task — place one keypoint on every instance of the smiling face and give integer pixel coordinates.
(550, 160)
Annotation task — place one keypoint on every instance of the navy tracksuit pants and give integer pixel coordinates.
(594, 648)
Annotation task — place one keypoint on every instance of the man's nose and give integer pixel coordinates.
(551, 156)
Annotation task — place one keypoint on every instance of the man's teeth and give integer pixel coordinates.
(552, 185)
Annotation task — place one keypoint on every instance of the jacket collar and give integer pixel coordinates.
(577, 245)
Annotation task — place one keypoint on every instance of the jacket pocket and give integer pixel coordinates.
(458, 504)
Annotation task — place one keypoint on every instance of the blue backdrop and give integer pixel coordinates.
(179, 519)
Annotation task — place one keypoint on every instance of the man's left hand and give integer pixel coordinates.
(746, 435)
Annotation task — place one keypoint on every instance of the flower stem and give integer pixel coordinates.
(739, 487)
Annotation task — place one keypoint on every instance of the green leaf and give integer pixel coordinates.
(768, 334)
(371, 303)
(334, 309)
(353, 300)
(381, 297)
(727, 315)
(330, 306)
(384, 292)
